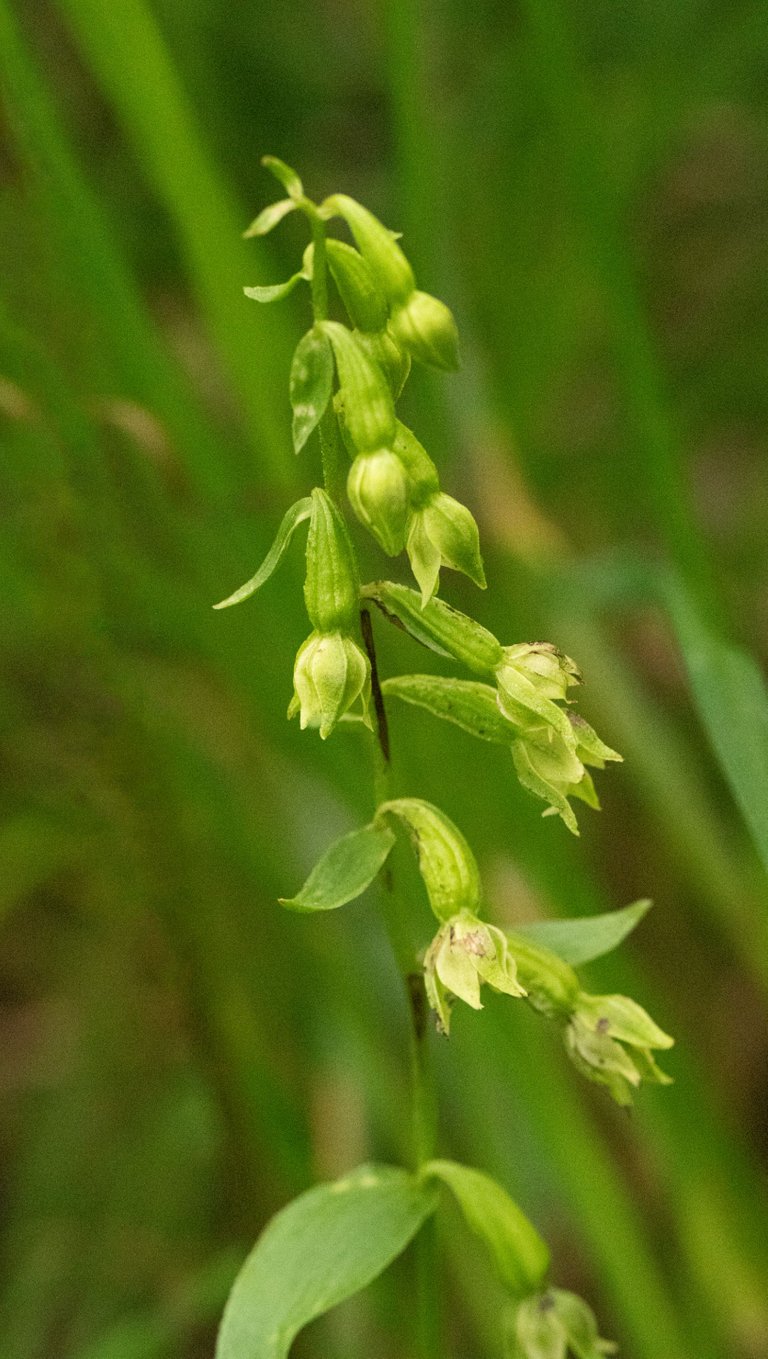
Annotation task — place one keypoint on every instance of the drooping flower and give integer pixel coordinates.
(331, 673)
(465, 953)
(610, 1040)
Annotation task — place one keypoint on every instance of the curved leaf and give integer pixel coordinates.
(467, 703)
(519, 1254)
(287, 177)
(275, 292)
(582, 940)
(311, 383)
(345, 870)
(326, 1245)
(301, 510)
(269, 218)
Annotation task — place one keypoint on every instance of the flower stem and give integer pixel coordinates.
(423, 1101)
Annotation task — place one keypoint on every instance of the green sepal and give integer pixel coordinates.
(331, 591)
(446, 863)
(275, 292)
(311, 383)
(519, 1254)
(287, 177)
(467, 703)
(290, 522)
(326, 1245)
(581, 940)
(540, 786)
(369, 411)
(269, 217)
(345, 870)
(437, 626)
(363, 299)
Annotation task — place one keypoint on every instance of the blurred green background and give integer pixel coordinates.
(587, 186)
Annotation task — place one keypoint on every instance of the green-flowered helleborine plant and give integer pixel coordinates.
(370, 322)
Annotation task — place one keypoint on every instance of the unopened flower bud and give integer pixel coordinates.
(331, 673)
(424, 326)
(464, 953)
(377, 487)
(331, 589)
(443, 533)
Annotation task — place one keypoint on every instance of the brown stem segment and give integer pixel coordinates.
(382, 726)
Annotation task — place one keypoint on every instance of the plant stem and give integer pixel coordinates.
(398, 917)
(423, 1101)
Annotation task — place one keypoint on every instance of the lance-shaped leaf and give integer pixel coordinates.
(345, 870)
(325, 1246)
(291, 520)
(437, 626)
(467, 703)
(287, 177)
(518, 1252)
(364, 301)
(269, 218)
(369, 411)
(311, 382)
(581, 941)
(446, 863)
(275, 292)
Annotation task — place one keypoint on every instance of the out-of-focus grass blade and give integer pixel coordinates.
(89, 255)
(158, 121)
(732, 700)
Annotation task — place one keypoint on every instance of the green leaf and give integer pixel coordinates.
(345, 870)
(287, 177)
(275, 292)
(437, 626)
(519, 1254)
(582, 940)
(446, 863)
(467, 703)
(298, 512)
(269, 218)
(311, 383)
(326, 1245)
(732, 700)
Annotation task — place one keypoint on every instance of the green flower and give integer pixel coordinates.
(464, 953)
(610, 1040)
(553, 1325)
(443, 532)
(552, 764)
(331, 673)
